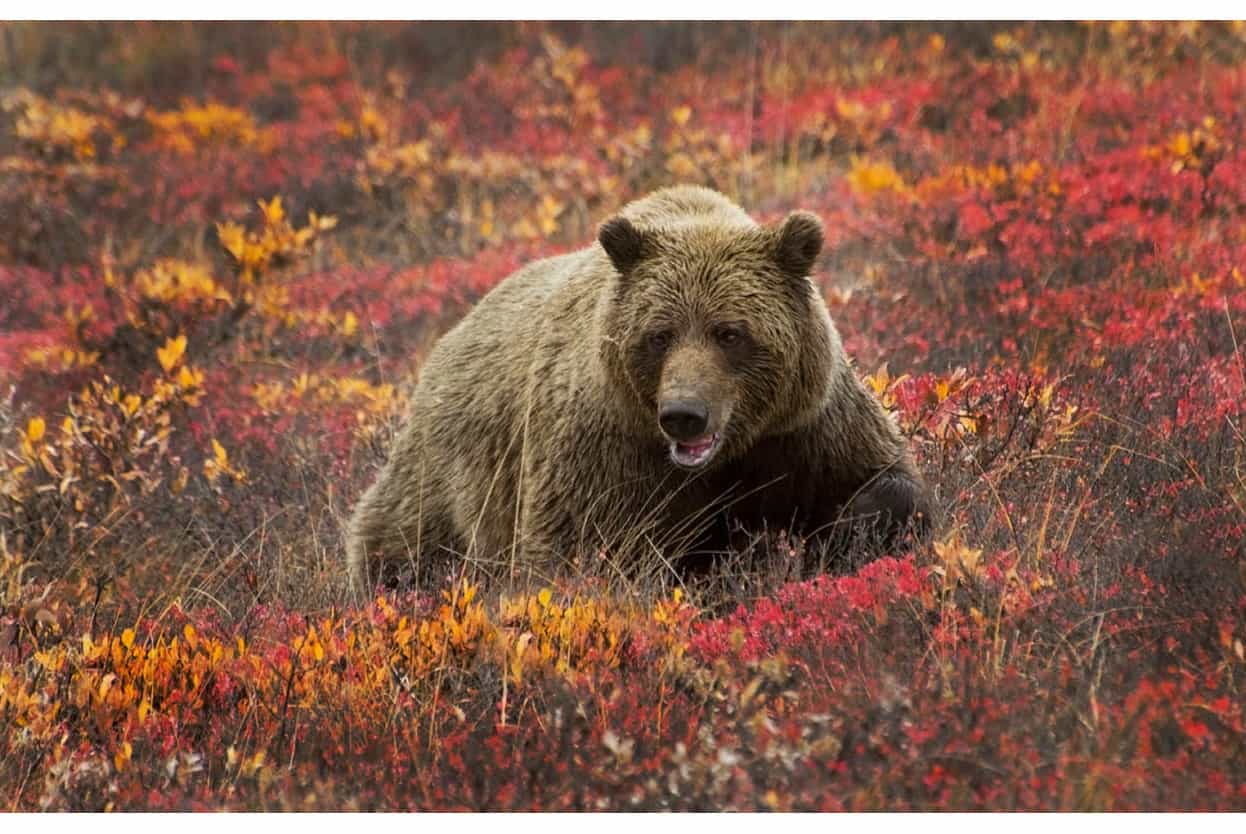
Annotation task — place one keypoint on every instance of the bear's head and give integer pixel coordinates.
(716, 332)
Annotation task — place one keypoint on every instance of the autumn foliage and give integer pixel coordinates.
(224, 252)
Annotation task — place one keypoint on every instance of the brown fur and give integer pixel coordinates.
(534, 435)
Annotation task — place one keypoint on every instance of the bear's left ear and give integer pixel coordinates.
(797, 243)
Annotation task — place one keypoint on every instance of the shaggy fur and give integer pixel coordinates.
(546, 425)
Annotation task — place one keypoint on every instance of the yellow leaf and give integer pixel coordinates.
(1180, 144)
(122, 756)
(321, 224)
(680, 115)
(750, 690)
(544, 597)
(879, 380)
(681, 165)
(222, 457)
(179, 481)
(273, 211)
(189, 632)
(850, 109)
(232, 238)
(106, 684)
(171, 353)
(35, 429)
(871, 177)
(188, 378)
(349, 324)
(127, 638)
(958, 558)
(524, 228)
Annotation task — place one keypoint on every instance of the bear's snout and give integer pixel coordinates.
(684, 419)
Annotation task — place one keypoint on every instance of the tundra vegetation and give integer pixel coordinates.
(224, 251)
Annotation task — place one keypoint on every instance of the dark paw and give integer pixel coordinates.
(888, 508)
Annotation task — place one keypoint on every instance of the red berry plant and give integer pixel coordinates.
(226, 249)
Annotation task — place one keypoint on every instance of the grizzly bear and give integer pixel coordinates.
(676, 381)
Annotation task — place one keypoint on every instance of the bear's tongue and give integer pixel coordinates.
(696, 452)
(698, 447)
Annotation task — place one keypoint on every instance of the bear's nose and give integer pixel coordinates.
(684, 419)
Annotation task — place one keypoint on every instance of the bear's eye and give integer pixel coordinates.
(728, 335)
(660, 340)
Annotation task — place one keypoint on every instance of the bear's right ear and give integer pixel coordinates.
(623, 242)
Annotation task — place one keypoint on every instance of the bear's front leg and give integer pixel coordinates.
(886, 508)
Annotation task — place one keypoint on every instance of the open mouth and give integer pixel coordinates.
(694, 453)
